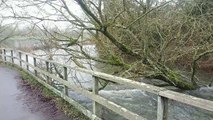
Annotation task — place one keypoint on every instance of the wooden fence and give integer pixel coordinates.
(163, 94)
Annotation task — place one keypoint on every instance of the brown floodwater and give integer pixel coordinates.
(19, 102)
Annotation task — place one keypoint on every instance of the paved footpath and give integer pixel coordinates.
(18, 103)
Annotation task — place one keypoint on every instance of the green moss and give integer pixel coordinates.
(114, 59)
(127, 66)
(47, 93)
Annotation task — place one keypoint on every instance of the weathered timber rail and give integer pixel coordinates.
(163, 94)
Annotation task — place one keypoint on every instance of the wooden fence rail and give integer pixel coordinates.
(163, 94)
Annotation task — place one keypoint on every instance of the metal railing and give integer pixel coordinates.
(163, 94)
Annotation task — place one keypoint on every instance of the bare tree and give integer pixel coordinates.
(7, 29)
(143, 38)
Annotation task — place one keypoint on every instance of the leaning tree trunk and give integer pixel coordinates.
(170, 76)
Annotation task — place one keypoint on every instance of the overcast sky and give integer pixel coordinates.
(32, 10)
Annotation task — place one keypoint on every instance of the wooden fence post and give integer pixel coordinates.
(96, 106)
(20, 59)
(47, 69)
(65, 78)
(4, 54)
(162, 109)
(35, 65)
(27, 61)
(51, 71)
(12, 57)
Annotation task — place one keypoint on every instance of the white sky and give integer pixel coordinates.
(32, 10)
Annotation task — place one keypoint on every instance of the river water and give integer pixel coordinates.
(143, 103)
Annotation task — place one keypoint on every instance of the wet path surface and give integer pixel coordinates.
(17, 102)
